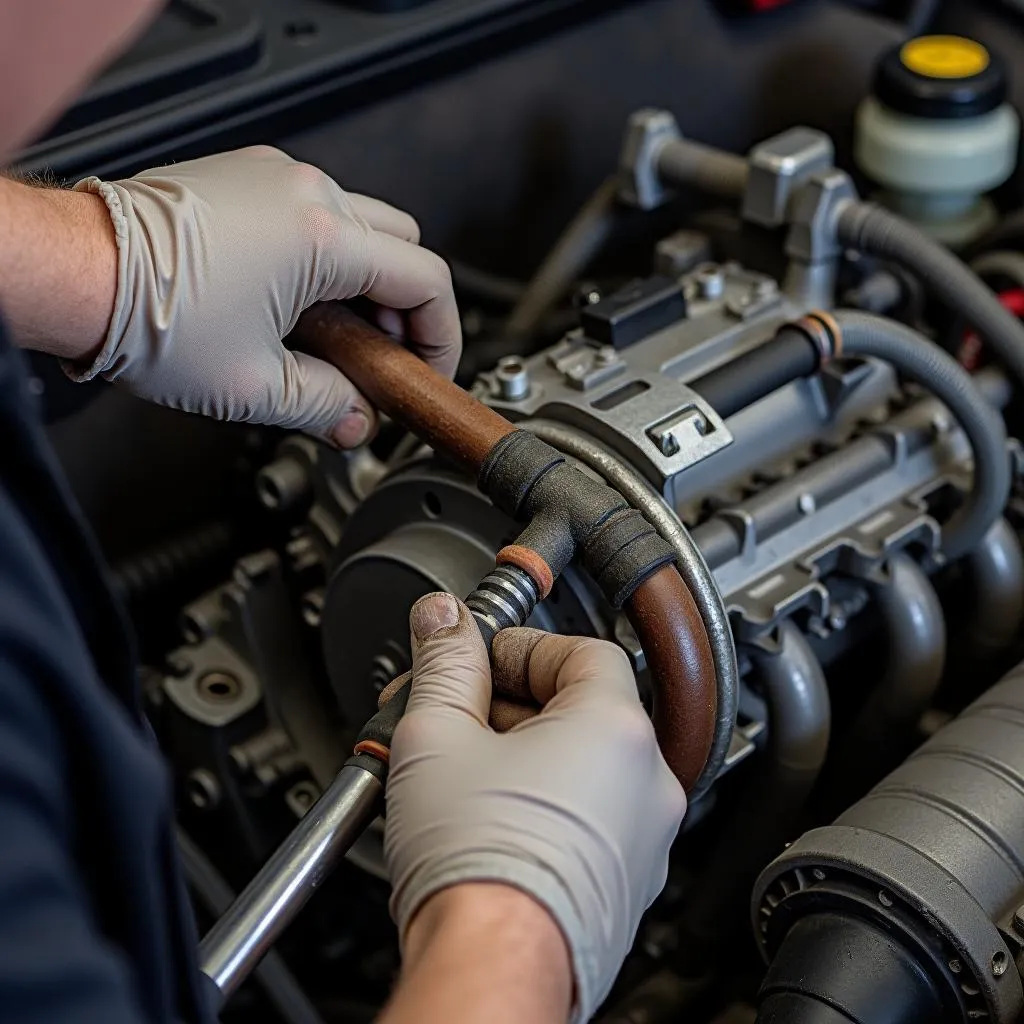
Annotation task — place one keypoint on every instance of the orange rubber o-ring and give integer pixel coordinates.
(531, 563)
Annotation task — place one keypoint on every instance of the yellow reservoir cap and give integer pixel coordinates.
(945, 57)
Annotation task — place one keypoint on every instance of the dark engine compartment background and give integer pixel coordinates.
(492, 141)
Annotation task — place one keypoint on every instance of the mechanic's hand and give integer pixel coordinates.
(575, 806)
(217, 259)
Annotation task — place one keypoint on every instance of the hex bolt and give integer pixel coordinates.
(178, 666)
(667, 442)
(513, 379)
(282, 484)
(203, 789)
(313, 607)
(254, 568)
(200, 619)
(710, 282)
(301, 797)
(586, 295)
(302, 553)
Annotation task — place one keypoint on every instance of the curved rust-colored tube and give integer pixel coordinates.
(400, 384)
(666, 620)
(662, 610)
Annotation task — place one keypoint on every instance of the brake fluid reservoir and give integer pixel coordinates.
(938, 133)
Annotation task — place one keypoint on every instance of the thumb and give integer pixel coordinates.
(316, 397)
(449, 660)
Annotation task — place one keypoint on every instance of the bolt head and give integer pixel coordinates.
(837, 619)
(203, 789)
(667, 443)
(313, 607)
(710, 282)
(178, 666)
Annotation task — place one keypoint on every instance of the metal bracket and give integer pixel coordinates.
(778, 167)
(660, 425)
(858, 551)
(647, 131)
(814, 215)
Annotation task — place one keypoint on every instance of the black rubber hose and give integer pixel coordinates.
(741, 382)
(872, 230)
(272, 974)
(692, 567)
(924, 363)
(581, 241)
(834, 969)
(683, 163)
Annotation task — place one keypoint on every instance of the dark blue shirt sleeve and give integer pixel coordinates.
(56, 964)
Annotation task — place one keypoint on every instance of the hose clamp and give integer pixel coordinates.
(824, 333)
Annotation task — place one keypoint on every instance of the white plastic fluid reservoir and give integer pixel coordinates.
(938, 133)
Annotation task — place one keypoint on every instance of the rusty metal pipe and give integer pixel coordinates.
(662, 610)
(666, 620)
(395, 381)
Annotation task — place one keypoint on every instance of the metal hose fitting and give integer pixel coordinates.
(504, 598)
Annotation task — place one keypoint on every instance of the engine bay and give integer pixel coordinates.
(788, 350)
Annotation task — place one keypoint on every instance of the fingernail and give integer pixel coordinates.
(351, 430)
(433, 613)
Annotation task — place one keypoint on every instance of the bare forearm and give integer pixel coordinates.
(58, 268)
(483, 952)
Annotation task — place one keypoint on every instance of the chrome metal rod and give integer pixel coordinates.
(272, 900)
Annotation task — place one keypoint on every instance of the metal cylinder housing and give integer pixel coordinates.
(934, 855)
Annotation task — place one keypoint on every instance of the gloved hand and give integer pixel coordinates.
(576, 806)
(216, 260)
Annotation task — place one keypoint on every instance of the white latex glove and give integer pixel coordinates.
(216, 260)
(576, 806)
